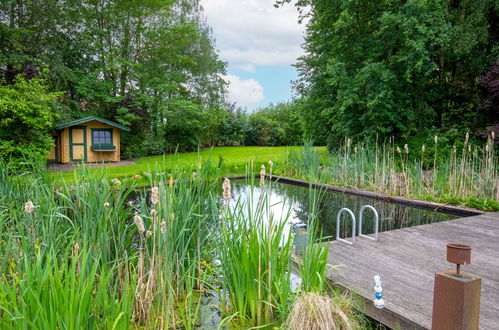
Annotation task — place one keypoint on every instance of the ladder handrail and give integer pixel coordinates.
(376, 224)
(338, 220)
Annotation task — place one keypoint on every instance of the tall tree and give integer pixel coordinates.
(384, 68)
(130, 61)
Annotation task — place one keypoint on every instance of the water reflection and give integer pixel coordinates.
(296, 200)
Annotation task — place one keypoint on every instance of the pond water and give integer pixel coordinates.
(296, 200)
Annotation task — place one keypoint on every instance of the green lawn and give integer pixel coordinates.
(234, 158)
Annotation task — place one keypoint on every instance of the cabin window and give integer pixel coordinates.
(102, 136)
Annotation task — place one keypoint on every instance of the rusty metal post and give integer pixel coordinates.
(456, 296)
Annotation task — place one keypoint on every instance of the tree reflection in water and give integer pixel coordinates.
(294, 199)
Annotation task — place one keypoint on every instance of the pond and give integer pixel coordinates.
(296, 200)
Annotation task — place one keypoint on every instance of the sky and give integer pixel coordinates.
(259, 43)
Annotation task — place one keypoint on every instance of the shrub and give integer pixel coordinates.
(26, 118)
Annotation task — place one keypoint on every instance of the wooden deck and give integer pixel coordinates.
(406, 259)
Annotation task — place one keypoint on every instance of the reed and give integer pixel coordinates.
(142, 257)
(312, 262)
(102, 253)
(468, 175)
(255, 253)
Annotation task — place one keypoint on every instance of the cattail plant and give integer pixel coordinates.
(75, 251)
(29, 207)
(139, 223)
(226, 189)
(388, 168)
(154, 195)
(255, 262)
(262, 176)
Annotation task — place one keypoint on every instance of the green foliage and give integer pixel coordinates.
(394, 68)
(255, 253)
(312, 265)
(90, 265)
(26, 119)
(71, 294)
(278, 124)
(232, 128)
(142, 64)
(465, 174)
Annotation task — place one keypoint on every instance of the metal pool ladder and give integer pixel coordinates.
(338, 220)
(361, 213)
(376, 223)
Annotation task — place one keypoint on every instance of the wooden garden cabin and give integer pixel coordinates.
(91, 139)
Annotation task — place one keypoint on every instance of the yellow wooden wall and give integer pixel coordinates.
(64, 146)
(92, 156)
(51, 155)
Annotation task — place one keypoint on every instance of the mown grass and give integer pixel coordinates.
(232, 159)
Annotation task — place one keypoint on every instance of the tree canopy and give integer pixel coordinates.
(395, 68)
(148, 64)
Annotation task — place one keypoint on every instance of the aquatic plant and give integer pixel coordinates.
(312, 255)
(145, 259)
(388, 168)
(255, 254)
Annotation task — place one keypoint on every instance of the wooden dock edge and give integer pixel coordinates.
(385, 315)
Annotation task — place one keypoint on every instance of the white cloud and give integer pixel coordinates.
(254, 32)
(244, 92)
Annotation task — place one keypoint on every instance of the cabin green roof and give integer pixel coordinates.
(87, 119)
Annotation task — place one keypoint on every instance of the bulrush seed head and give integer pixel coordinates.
(170, 182)
(398, 150)
(139, 223)
(436, 138)
(116, 181)
(163, 227)
(493, 134)
(154, 213)
(262, 176)
(226, 188)
(76, 249)
(467, 137)
(148, 234)
(29, 207)
(154, 195)
(406, 148)
(423, 148)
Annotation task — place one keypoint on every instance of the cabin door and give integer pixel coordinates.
(78, 144)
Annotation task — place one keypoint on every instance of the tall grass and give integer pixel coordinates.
(179, 220)
(255, 253)
(466, 174)
(78, 259)
(313, 260)
(100, 253)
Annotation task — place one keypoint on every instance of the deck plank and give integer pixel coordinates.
(407, 259)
